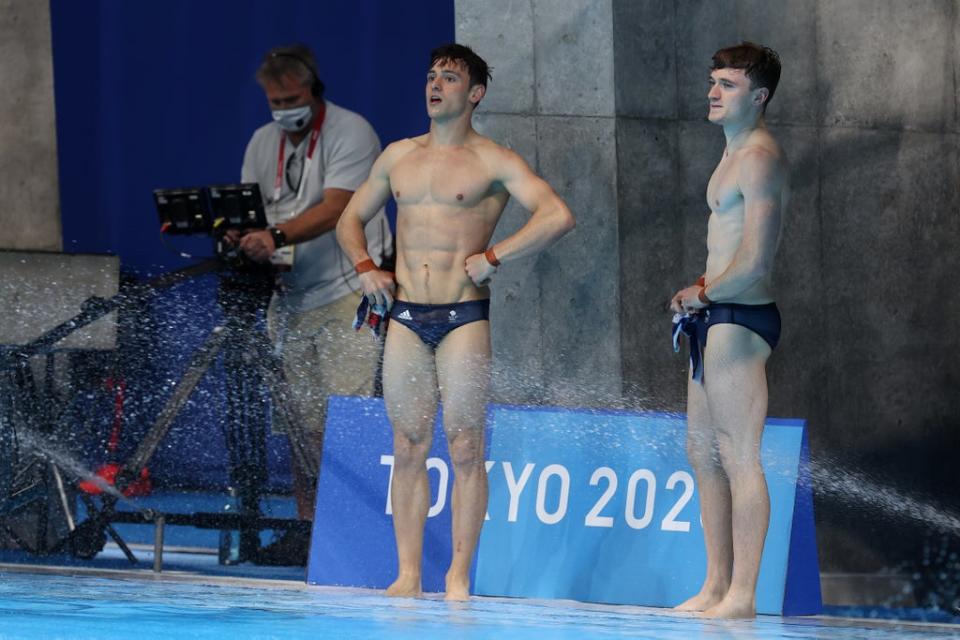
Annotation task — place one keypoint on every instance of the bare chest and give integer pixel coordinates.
(446, 177)
(723, 193)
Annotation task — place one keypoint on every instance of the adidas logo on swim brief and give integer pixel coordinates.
(405, 315)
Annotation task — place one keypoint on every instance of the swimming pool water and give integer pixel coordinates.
(56, 606)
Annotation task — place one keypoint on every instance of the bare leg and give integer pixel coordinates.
(463, 368)
(715, 507)
(737, 393)
(410, 394)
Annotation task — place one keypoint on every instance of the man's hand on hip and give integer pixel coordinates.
(479, 269)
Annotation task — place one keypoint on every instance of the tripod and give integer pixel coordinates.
(25, 479)
(249, 362)
(29, 413)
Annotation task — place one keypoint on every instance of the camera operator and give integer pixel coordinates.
(308, 162)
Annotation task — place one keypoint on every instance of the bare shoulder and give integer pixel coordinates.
(502, 162)
(762, 161)
(402, 147)
(395, 151)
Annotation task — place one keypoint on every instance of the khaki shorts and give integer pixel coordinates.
(322, 356)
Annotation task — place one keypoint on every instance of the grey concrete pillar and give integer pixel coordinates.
(556, 324)
(29, 188)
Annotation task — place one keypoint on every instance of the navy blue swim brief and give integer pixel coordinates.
(432, 322)
(762, 319)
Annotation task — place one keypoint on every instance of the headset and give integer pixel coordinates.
(316, 87)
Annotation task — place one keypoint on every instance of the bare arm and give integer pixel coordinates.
(549, 221)
(761, 180)
(318, 219)
(309, 224)
(365, 203)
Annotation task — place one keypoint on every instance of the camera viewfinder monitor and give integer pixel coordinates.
(183, 211)
(239, 205)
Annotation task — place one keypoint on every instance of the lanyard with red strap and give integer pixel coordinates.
(314, 136)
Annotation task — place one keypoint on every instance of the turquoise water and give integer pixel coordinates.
(52, 606)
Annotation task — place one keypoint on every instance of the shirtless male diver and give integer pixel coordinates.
(732, 305)
(451, 186)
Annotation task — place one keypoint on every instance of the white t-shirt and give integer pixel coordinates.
(344, 153)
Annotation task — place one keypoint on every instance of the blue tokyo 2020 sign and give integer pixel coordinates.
(598, 506)
(352, 543)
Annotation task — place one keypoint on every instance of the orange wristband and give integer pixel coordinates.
(701, 281)
(364, 265)
(491, 257)
(702, 296)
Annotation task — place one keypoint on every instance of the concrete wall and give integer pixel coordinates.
(556, 315)
(29, 197)
(607, 100)
(40, 290)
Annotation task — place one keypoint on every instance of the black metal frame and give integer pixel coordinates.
(249, 363)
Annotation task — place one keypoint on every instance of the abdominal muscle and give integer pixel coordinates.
(435, 277)
(432, 251)
(725, 232)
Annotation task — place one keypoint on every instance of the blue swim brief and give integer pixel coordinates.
(432, 322)
(762, 319)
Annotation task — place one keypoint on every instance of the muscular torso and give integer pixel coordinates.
(448, 204)
(725, 226)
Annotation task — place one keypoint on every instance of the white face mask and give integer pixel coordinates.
(293, 119)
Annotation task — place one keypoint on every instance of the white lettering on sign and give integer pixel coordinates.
(514, 487)
(490, 464)
(548, 472)
(670, 523)
(594, 519)
(388, 461)
(444, 471)
(554, 481)
(630, 509)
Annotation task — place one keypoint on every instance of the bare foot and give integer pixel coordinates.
(732, 606)
(702, 601)
(457, 588)
(405, 586)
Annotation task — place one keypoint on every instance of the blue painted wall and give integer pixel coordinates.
(161, 94)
